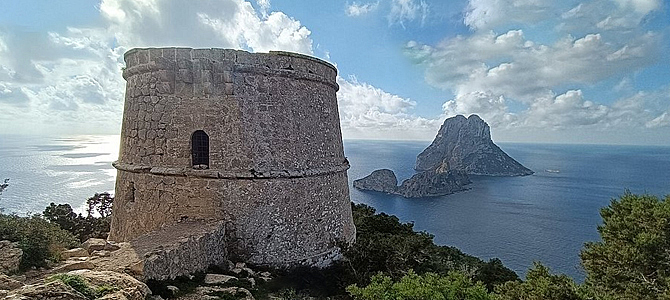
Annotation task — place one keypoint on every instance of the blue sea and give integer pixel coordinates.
(544, 217)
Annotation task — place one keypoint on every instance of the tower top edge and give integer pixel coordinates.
(195, 53)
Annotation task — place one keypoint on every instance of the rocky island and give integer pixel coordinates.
(462, 147)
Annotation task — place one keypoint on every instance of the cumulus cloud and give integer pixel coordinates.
(74, 75)
(489, 72)
(407, 10)
(487, 14)
(356, 9)
(519, 68)
(368, 111)
(207, 23)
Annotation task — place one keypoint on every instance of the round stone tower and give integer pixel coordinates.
(249, 139)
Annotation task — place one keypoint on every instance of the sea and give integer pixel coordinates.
(545, 217)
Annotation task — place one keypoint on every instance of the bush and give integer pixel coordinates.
(83, 227)
(40, 240)
(453, 286)
(82, 286)
(384, 244)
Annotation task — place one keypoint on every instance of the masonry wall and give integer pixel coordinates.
(277, 172)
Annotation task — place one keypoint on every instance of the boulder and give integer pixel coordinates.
(94, 244)
(10, 257)
(130, 288)
(53, 290)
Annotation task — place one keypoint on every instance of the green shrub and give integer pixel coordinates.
(540, 284)
(82, 286)
(453, 286)
(384, 244)
(40, 240)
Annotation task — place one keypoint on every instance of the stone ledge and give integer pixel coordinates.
(227, 174)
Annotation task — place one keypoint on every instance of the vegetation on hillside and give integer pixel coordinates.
(90, 226)
(631, 262)
(40, 240)
(43, 237)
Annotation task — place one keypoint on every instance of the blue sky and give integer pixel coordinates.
(536, 70)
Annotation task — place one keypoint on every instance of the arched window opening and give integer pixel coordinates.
(200, 149)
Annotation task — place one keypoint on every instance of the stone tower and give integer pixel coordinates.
(251, 140)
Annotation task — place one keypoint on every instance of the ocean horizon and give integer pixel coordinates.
(545, 217)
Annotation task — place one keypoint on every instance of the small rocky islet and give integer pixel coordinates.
(462, 147)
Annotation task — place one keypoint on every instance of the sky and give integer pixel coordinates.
(572, 71)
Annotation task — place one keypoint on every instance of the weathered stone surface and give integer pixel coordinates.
(130, 288)
(465, 144)
(276, 172)
(382, 180)
(54, 290)
(10, 256)
(7, 283)
(182, 249)
(94, 244)
(218, 278)
(76, 252)
(71, 265)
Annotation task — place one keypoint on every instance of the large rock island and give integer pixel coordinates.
(465, 144)
(462, 147)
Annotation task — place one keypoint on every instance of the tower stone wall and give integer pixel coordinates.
(276, 172)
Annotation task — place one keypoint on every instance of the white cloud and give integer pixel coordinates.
(407, 10)
(74, 75)
(661, 121)
(487, 14)
(207, 23)
(621, 16)
(369, 112)
(355, 9)
(518, 68)
(264, 5)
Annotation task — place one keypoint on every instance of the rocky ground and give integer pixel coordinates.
(107, 270)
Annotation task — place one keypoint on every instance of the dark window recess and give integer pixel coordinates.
(200, 148)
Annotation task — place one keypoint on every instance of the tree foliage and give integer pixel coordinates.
(83, 227)
(540, 284)
(453, 286)
(384, 244)
(633, 259)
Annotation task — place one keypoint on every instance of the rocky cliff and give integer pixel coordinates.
(465, 144)
(422, 184)
(462, 147)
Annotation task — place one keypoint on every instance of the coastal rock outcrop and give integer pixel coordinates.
(465, 143)
(422, 184)
(382, 180)
(462, 147)
(432, 183)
